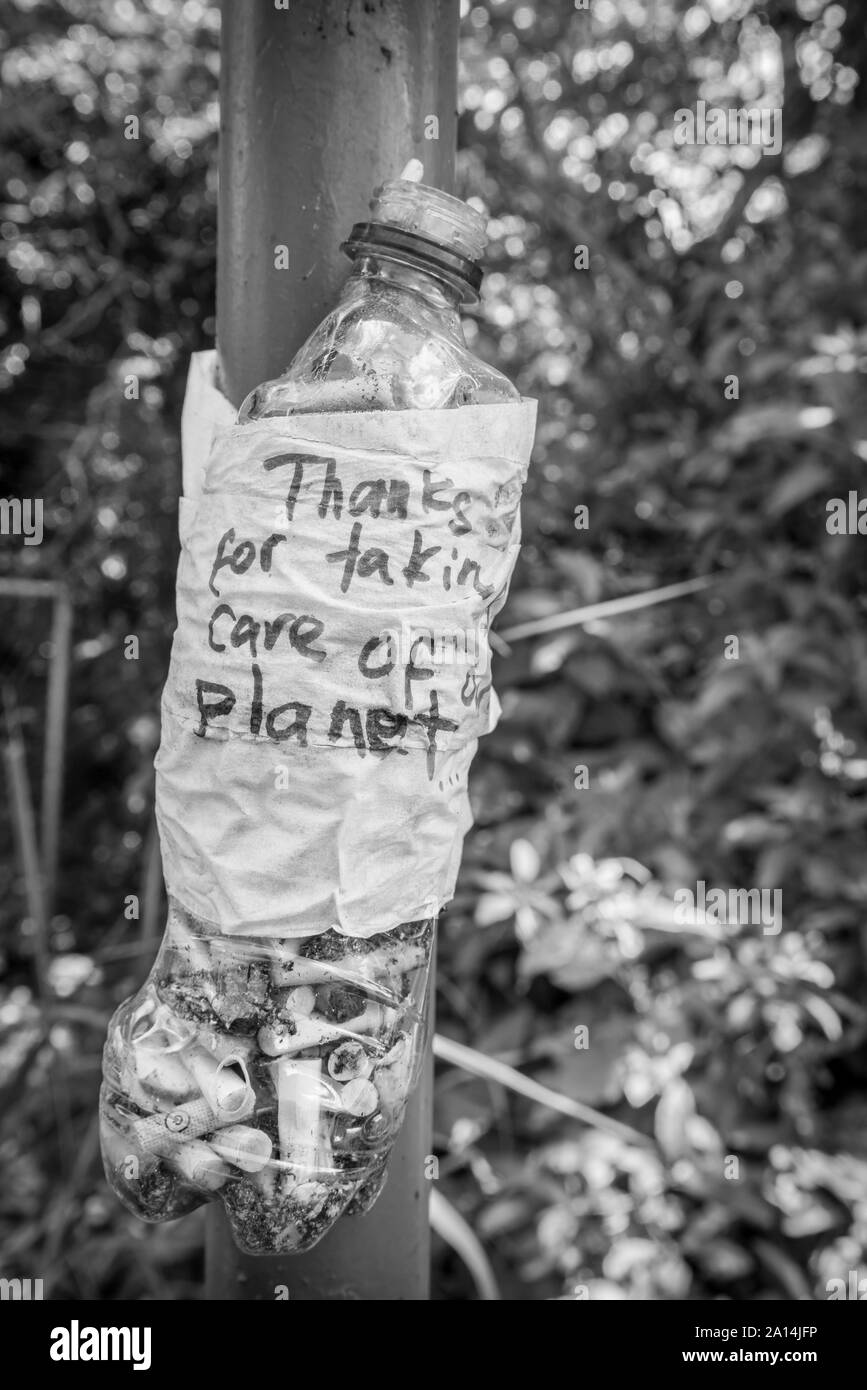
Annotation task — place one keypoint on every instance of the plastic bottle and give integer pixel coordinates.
(274, 1074)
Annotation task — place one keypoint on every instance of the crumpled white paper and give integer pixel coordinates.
(330, 672)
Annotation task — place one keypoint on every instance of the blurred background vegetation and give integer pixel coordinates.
(709, 1042)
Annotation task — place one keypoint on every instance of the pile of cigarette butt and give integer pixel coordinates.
(273, 1074)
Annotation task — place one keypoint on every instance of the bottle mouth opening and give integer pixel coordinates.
(429, 212)
(420, 252)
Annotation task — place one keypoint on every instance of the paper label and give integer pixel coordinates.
(330, 672)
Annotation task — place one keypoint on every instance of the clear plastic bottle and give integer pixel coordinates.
(274, 1074)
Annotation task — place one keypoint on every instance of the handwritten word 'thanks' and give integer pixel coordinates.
(378, 497)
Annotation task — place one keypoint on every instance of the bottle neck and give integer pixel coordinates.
(438, 295)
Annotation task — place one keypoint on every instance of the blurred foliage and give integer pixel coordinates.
(715, 1043)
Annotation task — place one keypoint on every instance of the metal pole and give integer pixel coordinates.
(321, 101)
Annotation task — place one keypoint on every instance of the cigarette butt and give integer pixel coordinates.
(160, 1134)
(359, 1097)
(231, 1085)
(132, 1088)
(349, 1061)
(300, 1001)
(398, 957)
(298, 970)
(224, 1082)
(316, 1087)
(164, 1073)
(393, 1075)
(247, 1148)
(200, 1165)
(275, 1039)
(279, 1041)
(124, 1154)
(380, 969)
(370, 1020)
(294, 971)
(299, 1111)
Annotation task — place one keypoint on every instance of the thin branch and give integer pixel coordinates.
(447, 1050)
(611, 608)
(451, 1227)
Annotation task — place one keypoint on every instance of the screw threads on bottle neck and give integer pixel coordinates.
(426, 229)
